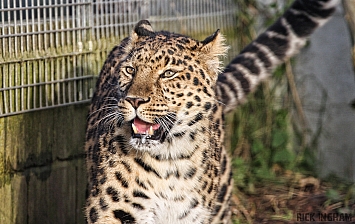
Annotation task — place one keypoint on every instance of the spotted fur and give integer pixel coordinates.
(154, 138)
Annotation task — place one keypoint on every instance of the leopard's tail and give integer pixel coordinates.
(280, 41)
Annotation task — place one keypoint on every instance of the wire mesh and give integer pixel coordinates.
(52, 50)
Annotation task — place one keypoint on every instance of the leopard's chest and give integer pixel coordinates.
(156, 189)
(163, 190)
(181, 204)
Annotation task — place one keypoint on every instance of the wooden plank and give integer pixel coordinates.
(13, 187)
(81, 184)
(3, 170)
(69, 131)
(29, 139)
(52, 193)
(39, 138)
(13, 200)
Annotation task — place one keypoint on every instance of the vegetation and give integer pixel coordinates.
(273, 161)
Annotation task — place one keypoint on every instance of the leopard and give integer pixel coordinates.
(154, 146)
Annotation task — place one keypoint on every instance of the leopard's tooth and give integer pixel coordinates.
(151, 131)
(135, 130)
(143, 139)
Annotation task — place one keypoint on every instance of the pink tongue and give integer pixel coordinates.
(143, 127)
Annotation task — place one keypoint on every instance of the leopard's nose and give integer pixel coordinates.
(136, 101)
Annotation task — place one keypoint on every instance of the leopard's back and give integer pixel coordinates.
(154, 138)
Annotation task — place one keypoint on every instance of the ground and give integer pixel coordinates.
(297, 199)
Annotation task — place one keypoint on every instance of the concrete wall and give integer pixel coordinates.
(324, 75)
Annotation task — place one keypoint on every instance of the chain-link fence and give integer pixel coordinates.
(52, 50)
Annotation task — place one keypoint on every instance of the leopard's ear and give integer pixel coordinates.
(142, 28)
(212, 48)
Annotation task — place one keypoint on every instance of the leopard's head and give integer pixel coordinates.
(159, 86)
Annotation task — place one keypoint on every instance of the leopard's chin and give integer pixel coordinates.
(150, 146)
(142, 143)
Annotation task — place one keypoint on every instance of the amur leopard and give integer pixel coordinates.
(154, 138)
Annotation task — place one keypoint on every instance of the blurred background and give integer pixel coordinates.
(295, 131)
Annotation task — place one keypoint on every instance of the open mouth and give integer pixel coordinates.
(144, 130)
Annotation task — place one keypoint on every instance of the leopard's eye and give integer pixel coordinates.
(130, 70)
(168, 74)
